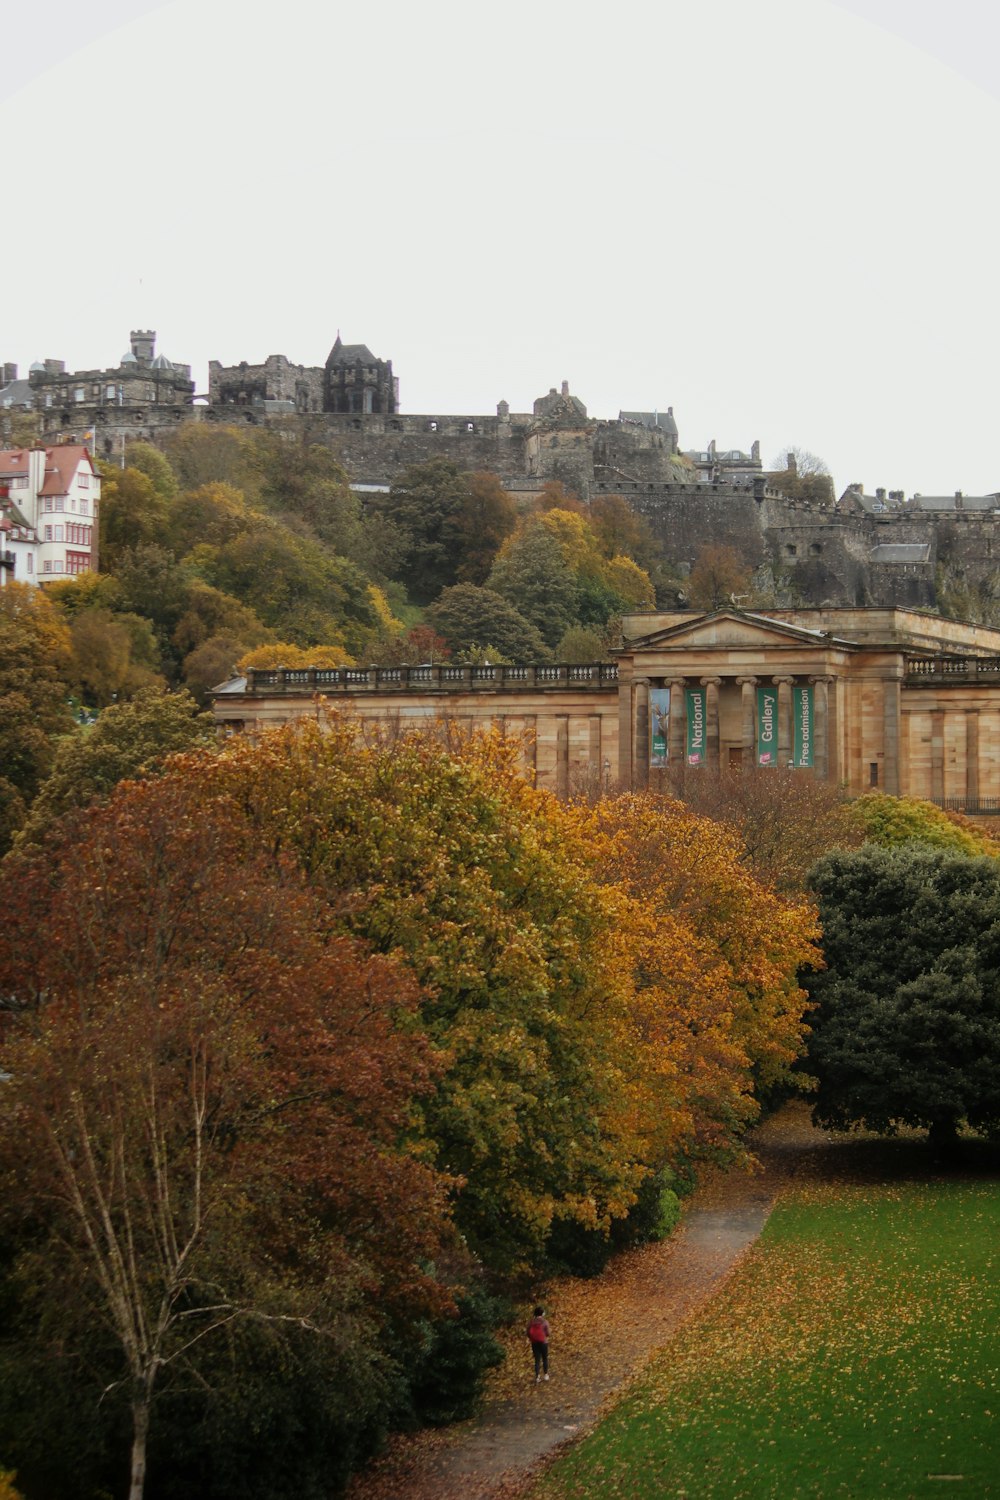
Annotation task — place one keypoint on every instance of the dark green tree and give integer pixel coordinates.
(426, 503)
(473, 619)
(907, 1030)
(533, 576)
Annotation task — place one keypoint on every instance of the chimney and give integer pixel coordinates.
(958, 499)
(792, 464)
(565, 387)
(9, 374)
(880, 496)
(55, 367)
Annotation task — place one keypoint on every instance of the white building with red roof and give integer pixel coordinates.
(49, 505)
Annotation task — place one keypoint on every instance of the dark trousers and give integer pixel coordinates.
(541, 1353)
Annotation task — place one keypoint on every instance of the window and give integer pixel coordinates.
(83, 481)
(31, 563)
(48, 502)
(84, 507)
(46, 566)
(48, 533)
(79, 394)
(59, 534)
(60, 502)
(873, 773)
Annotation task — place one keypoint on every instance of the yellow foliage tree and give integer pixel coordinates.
(283, 654)
(714, 960)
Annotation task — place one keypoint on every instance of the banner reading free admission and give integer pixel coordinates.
(695, 702)
(802, 722)
(767, 726)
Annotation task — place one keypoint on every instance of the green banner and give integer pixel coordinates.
(767, 726)
(802, 721)
(659, 726)
(695, 703)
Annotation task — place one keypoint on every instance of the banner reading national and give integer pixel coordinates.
(694, 703)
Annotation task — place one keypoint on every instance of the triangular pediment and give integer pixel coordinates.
(729, 630)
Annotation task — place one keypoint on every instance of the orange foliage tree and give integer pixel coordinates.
(217, 1091)
(445, 854)
(712, 959)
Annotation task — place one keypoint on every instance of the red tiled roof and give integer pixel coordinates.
(14, 461)
(61, 465)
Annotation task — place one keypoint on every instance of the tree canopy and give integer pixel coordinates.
(908, 1026)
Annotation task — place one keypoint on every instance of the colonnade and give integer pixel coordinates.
(720, 717)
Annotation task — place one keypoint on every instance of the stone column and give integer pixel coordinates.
(678, 725)
(821, 727)
(890, 735)
(937, 756)
(833, 770)
(530, 722)
(640, 752)
(711, 686)
(784, 686)
(749, 689)
(971, 759)
(625, 733)
(562, 756)
(595, 772)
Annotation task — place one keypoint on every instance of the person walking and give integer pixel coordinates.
(538, 1337)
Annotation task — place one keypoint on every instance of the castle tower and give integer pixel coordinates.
(355, 381)
(143, 343)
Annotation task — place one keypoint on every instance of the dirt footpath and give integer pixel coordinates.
(603, 1331)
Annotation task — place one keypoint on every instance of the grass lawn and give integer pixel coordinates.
(856, 1353)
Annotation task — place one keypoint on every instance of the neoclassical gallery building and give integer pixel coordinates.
(897, 699)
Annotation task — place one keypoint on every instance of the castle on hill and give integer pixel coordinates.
(865, 549)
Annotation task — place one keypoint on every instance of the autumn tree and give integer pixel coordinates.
(446, 854)
(717, 576)
(485, 519)
(532, 574)
(298, 589)
(217, 1092)
(155, 465)
(785, 819)
(212, 513)
(801, 475)
(133, 513)
(131, 739)
(907, 1030)
(114, 655)
(286, 654)
(716, 958)
(208, 453)
(890, 821)
(35, 667)
(470, 619)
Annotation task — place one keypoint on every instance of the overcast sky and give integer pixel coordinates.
(778, 216)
